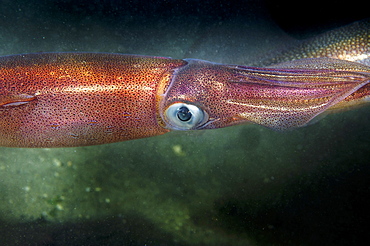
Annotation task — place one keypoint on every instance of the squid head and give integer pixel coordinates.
(205, 95)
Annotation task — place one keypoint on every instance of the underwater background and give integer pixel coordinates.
(244, 185)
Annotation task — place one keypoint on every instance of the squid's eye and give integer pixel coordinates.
(182, 116)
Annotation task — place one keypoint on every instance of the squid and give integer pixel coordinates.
(80, 99)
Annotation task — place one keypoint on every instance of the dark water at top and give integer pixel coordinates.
(243, 185)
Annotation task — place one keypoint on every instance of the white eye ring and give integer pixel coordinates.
(182, 116)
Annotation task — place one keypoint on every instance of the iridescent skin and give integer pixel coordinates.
(78, 99)
(71, 99)
(349, 43)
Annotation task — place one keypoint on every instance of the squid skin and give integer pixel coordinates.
(350, 43)
(79, 99)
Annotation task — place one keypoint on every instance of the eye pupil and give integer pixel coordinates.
(184, 114)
